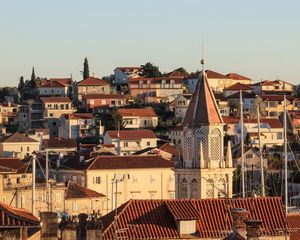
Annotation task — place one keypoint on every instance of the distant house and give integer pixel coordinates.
(249, 101)
(139, 117)
(223, 104)
(181, 104)
(53, 108)
(273, 87)
(31, 115)
(18, 145)
(53, 88)
(167, 151)
(62, 145)
(95, 100)
(9, 115)
(217, 81)
(78, 125)
(236, 88)
(157, 89)
(91, 85)
(273, 105)
(128, 142)
(271, 132)
(176, 135)
(38, 134)
(122, 74)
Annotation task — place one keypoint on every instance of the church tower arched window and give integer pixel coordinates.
(194, 189)
(183, 188)
(215, 145)
(209, 188)
(221, 186)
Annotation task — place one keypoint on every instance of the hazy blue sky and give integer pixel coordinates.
(259, 39)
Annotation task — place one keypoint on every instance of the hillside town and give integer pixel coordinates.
(142, 154)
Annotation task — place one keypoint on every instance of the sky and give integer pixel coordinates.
(258, 38)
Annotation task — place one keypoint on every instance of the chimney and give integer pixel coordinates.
(49, 225)
(239, 216)
(253, 229)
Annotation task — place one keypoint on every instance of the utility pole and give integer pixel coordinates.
(285, 157)
(262, 177)
(47, 182)
(33, 183)
(242, 143)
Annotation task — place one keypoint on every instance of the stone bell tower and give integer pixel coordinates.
(204, 171)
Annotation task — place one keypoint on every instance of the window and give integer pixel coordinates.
(54, 124)
(152, 179)
(148, 144)
(194, 188)
(125, 144)
(74, 179)
(21, 149)
(152, 195)
(40, 198)
(279, 135)
(97, 180)
(134, 179)
(18, 181)
(51, 114)
(183, 188)
(74, 206)
(250, 155)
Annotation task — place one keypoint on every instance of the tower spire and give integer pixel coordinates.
(202, 60)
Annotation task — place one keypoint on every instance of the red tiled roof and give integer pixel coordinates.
(103, 96)
(244, 95)
(127, 162)
(153, 219)
(78, 116)
(11, 216)
(183, 210)
(273, 122)
(264, 83)
(237, 86)
(202, 108)
(92, 81)
(55, 99)
(139, 112)
(131, 134)
(12, 165)
(65, 81)
(278, 98)
(75, 190)
(17, 137)
(293, 220)
(53, 84)
(212, 74)
(60, 143)
(230, 120)
(168, 148)
(236, 76)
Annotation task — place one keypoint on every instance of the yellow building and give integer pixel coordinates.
(18, 145)
(131, 177)
(91, 85)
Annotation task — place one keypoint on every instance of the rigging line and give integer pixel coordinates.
(41, 167)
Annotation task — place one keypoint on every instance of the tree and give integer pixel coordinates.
(32, 75)
(21, 84)
(114, 121)
(86, 70)
(297, 91)
(149, 70)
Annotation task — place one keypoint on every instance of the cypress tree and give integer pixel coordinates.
(86, 70)
(33, 75)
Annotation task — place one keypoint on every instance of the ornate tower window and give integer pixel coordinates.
(183, 188)
(194, 189)
(209, 188)
(188, 146)
(221, 186)
(215, 145)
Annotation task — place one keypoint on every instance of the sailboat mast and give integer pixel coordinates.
(285, 156)
(262, 177)
(242, 144)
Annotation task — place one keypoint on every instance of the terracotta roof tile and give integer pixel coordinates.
(237, 86)
(78, 116)
(127, 162)
(75, 190)
(236, 76)
(92, 81)
(12, 165)
(55, 99)
(273, 122)
(244, 95)
(59, 143)
(17, 137)
(11, 216)
(230, 120)
(278, 98)
(294, 225)
(155, 219)
(168, 148)
(53, 84)
(125, 69)
(156, 80)
(131, 134)
(139, 112)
